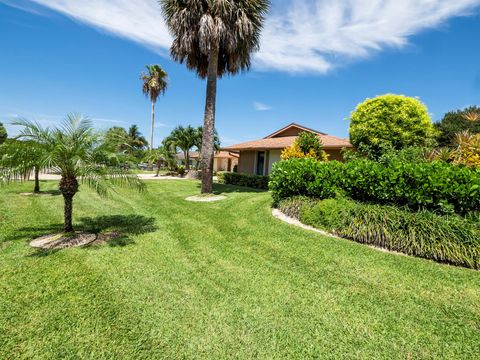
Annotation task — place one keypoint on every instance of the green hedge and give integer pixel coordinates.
(253, 181)
(450, 239)
(423, 185)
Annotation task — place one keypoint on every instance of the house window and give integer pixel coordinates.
(260, 163)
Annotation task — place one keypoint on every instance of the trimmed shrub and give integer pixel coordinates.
(239, 179)
(450, 239)
(390, 122)
(307, 177)
(425, 185)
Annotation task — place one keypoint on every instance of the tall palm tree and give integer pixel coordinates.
(183, 138)
(19, 159)
(214, 37)
(154, 84)
(72, 150)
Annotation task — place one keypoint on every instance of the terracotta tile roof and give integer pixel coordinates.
(283, 142)
(218, 154)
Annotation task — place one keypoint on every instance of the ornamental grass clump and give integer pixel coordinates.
(448, 238)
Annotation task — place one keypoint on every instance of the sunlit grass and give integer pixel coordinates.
(217, 280)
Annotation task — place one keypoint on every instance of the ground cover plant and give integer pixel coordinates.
(217, 280)
(451, 239)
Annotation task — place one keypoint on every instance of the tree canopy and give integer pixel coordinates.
(231, 27)
(3, 134)
(458, 121)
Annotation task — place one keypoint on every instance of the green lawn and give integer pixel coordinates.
(217, 280)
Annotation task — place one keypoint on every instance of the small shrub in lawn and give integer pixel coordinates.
(239, 179)
(447, 238)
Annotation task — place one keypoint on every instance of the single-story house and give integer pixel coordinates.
(258, 156)
(222, 161)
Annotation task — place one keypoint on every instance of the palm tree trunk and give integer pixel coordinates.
(36, 189)
(68, 188)
(209, 123)
(68, 210)
(186, 156)
(153, 125)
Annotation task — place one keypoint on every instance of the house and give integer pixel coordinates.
(258, 156)
(222, 161)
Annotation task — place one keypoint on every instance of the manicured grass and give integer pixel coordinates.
(217, 280)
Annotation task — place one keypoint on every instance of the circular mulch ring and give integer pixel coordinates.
(36, 194)
(208, 198)
(63, 241)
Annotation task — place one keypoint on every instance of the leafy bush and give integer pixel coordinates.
(308, 145)
(181, 170)
(239, 179)
(307, 177)
(430, 185)
(390, 122)
(455, 122)
(450, 239)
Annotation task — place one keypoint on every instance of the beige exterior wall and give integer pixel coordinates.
(246, 163)
(274, 156)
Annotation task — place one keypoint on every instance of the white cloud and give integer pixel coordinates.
(300, 35)
(137, 20)
(318, 35)
(261, 106)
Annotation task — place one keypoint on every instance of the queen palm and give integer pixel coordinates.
(213, 38)
(154, 84)
(183, 138)
(72, 151)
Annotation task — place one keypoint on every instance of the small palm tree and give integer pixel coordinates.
(72, 150)
(154, 84)
(159, 156)
(183, 138)
(19, 159)
(214, 38)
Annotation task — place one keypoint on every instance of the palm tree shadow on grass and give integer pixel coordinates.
(123, 226)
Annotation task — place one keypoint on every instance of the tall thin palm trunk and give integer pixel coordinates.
(36, 189)
(209, 123)
(153, 125)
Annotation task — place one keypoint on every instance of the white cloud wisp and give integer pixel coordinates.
(299, 36)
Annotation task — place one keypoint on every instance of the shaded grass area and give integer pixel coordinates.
(218, 280)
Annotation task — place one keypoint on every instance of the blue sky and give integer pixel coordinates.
(318, 60)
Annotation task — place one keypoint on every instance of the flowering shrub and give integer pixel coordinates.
(307, 145)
